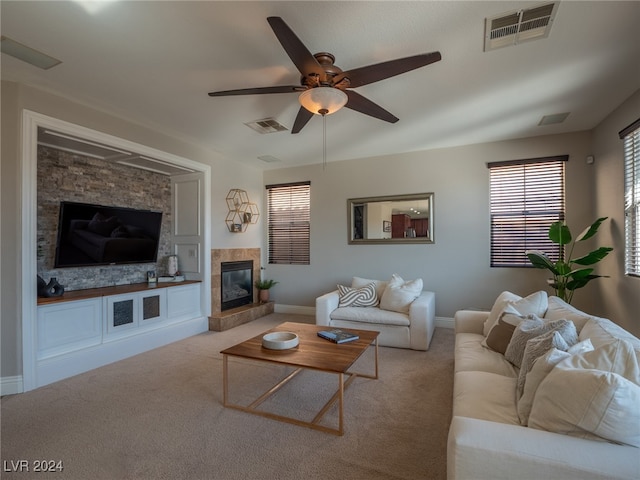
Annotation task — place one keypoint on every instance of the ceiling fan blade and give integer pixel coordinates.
(363, 105)
(301, 57)
(259, 90)
(380, 71)
(302, 119)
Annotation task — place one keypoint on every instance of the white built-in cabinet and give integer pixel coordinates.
(87, 329)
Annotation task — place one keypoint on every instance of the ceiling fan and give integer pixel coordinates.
(325, 87)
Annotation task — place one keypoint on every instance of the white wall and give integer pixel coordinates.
(456, 267)
(225, 174)
(619, 296)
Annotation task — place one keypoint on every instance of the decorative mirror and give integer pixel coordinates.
(393, 219)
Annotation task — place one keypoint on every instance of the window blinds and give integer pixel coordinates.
(526, 197)
(631, 137)
(289, 222)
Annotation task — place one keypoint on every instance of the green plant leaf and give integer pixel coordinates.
(559, 233)
(591, 230)
(539, 260)
(265, 284)
(593, 257)
(580, 273)
(581, 282)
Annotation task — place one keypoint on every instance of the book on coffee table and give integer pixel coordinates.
(338, 336)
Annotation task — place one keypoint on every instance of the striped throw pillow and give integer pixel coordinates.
(358, 297)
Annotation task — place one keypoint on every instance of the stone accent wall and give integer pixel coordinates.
(230, 255)
(64, 176)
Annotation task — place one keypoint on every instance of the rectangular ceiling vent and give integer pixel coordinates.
(266, 125)
(519, 26)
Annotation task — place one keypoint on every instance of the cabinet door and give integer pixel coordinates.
(68, 326)
(152, 307)
(183, 302)
(122, 313)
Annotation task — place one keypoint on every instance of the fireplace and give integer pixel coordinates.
(236, 284)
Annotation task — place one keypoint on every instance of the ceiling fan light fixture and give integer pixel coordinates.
(323, 100)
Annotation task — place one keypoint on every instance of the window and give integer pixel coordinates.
(631, 136)
(526, 197)
(289, 222)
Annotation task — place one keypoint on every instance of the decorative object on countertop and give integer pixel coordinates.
(172, 265)
(263, 287)
(51, 289)
(566, 277)
(242, 212)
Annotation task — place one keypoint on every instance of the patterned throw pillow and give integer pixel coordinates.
(357, 297)
(532, 328)
(537, 347)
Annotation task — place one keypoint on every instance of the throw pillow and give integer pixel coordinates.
(592, 394)
(501, 333)
(618, 357)
(537, 347)
(532, 328)
(358, 282)
(399, 295)
(535, 304)
(588, 403)
(558, 309)
(541, 368)
(498, 306)
(357, 297)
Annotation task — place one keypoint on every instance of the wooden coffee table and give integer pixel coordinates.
(313, 353)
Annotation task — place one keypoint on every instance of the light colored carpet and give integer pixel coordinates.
(159, 415)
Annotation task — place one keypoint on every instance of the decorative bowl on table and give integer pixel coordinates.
(280, 340)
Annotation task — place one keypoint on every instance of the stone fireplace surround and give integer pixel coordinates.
(219, 320)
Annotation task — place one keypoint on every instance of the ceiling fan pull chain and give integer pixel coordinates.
(324, 141)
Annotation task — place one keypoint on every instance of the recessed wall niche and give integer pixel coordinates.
(64, 176)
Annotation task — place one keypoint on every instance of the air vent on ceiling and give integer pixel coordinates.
(519, 26)
(266, 125)
(553, 119)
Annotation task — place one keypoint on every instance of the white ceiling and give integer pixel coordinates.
(154, 62)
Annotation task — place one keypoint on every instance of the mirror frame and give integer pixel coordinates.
(351, 202)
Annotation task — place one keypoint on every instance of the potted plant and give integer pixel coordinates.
(263, 287)
(571, 273)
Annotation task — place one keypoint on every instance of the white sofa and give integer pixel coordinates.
(412, 328)
(487, 437)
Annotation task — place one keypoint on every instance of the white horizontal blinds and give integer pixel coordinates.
(526, 197)
(289, 223)
(631, 136)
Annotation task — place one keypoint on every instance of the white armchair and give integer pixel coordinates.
(412, 330)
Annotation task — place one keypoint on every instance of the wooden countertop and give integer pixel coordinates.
(88, 293)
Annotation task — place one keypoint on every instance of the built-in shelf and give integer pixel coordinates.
(86, 329)
(87, 293)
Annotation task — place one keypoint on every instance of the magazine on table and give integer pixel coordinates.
(338, 336)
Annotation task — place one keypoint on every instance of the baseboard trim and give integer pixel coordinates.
(444, 322)
(11, 385)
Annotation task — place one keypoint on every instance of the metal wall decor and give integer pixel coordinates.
(242, 212)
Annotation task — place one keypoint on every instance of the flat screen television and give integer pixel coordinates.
(101, 235)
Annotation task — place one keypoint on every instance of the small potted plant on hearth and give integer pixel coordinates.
(263, 287)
